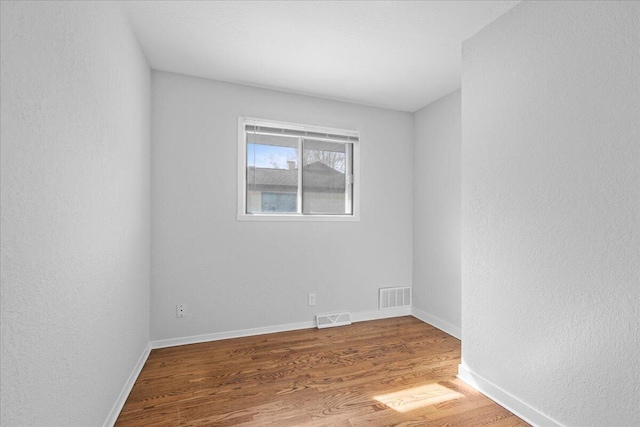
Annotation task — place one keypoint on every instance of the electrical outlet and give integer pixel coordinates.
(312, 299)
(181, 310)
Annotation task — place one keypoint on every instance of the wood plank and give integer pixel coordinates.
(397, 371)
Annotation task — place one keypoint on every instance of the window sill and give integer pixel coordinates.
(305, 218)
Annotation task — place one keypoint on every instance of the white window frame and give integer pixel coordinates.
(242, 214)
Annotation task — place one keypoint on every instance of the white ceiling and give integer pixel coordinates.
(401, 55)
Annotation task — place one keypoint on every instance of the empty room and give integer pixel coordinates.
(320, 213)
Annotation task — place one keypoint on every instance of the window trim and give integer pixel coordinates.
(242, 214)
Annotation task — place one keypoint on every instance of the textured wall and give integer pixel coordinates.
(75, 211)
(436, 213)
(551, 208)
(235, 275)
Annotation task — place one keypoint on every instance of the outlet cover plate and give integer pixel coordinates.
(181, 310)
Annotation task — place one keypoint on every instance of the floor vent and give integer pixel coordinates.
(395, 297)
(331, 320)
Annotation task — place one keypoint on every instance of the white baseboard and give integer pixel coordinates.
(217, 336)
(505, 399)
(387, 313)
(443, 325)
(122, 398)
(355, 317)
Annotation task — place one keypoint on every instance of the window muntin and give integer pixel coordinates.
(296, 171)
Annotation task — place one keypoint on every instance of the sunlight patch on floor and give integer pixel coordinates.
(417, 397)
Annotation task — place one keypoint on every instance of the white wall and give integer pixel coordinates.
(436, 213)
(236, 275)
(551, 209)
(75, 211)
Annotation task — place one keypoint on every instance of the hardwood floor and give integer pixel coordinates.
(397, 371)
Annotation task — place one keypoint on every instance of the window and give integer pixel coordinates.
(296, 172)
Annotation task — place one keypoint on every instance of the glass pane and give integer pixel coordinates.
(272, 174)
(324, 189)
(279, 202)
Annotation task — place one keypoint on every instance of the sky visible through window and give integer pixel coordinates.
(270, 156)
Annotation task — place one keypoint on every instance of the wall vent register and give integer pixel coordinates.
(331, 320)
(395, 297)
